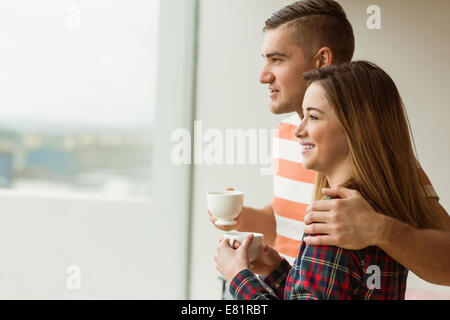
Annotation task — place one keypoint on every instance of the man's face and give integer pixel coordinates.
(285, 64)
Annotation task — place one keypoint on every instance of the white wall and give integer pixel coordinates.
(108, 240)
(412, 47)
(228, 96)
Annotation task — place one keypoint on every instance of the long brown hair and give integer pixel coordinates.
(385, 169)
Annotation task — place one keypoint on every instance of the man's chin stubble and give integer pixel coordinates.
(277, 110)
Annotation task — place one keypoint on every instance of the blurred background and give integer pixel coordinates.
(92, 204)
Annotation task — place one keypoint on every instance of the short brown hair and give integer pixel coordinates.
(313, 24)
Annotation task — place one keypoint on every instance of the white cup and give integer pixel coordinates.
(225, 206)
(253, 250)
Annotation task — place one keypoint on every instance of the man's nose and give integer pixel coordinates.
(266, 76)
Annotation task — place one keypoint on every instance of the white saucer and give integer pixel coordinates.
(226, 222)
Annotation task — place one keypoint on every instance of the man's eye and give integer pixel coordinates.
(276, 60)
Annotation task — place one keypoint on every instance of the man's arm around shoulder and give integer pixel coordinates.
(425, 252)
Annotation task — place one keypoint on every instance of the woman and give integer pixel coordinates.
(354, 132)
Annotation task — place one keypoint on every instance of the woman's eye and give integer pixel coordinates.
(313, 118)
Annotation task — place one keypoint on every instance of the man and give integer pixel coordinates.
(300, 37)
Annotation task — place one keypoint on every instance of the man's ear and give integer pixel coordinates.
(323, 58)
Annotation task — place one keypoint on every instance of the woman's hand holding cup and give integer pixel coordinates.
(229, 261)
(267, 261)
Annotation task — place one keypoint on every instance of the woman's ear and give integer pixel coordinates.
(323, 58)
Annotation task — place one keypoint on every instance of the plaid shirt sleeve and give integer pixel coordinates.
(246, 286)
(325, 273)
(322, 273)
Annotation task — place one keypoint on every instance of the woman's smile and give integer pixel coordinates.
(307, 147)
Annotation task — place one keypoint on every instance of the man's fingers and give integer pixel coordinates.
(338, 192)
(230, 189)
(317, 228)
(317, 217)
(211, 217)
(325, 240)
(327, 205)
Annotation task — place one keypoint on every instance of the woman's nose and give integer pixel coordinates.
(300, 131)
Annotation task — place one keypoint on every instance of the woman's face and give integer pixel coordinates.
(324, 145)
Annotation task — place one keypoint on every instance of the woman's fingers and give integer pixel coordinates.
(226, 242)
(223, 243)
(247, 242)
(236, 244)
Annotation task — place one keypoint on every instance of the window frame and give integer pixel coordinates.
(172, 192)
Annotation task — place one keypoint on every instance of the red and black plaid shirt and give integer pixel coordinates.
(327, 272)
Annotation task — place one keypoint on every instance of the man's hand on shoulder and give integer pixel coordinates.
(348, 222)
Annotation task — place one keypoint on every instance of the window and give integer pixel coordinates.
(78, 95)
(91, 93)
